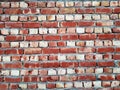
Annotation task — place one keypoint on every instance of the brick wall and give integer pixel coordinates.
(71, 45)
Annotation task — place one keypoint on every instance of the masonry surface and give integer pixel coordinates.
(60, 45)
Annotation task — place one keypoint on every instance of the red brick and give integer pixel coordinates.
(104, 50)
(87, 36)
(14, 51)
(106, 77)
(89, 10)
(12, 79)
(13, 24)
(85, 23)
(52, 44)
(68, 50)
(49, 10)
(1, 11)
(50, 64)
(69, 64)
(13, 65)
(116, 30)
(32, 4)
(50, 24)
(117, 23)
(106, 36)
(68, 24)
(87, 64)
(51, 86)
(118, 77)
(31, 24)
(81, 11)
(61, 44)
(117, 49)
(33, 38)
(26, 79)
(1, 52)
(34, 78)
(87, 77)
(31, 11)
(51, 37)
(116, 56)
(3, 86)
(103, 10)
(13, 38)
(14, 86)
(69, 37)
(117, 36)
(50, 50)
(12, 11)
(53, 57)
(107, 70)
(49, 78)
(32, 50)
(2, 25)
(86, 10)
(106, 64)
(1, 66)
(32, 65)
(116, 10)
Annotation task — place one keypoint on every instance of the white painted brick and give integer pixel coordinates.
(98, 56)
(41, 18)
(43, 44)
(51, 72)
(116, 42)
(78, 17)
(80, 57)
(52, 30)
(59, 85)
(34, 58)
(41, 86)
(60, 17)
(14, 31)
(96, 17)
(69, 17)
(104, 17)
(6, 58)
(23, 44)
(14, 4)
(69, 4)
(61, 71)
(5, 72)
(107, 30)
(107, 43)
(115, 83)
(61, 57)
(80, 30)
(87, 3)
(87, 17)
(59, 4)
(95, 3)
(1, 38)
(23, 4)
(68, 85)
(98, 30)
(51, 17)
(14, 18)
(23, 86)
(14, 44)
(97, 83)
(99, 70)
(4, 31)
(78, 84)
(89, 43)
(15, 72)
(34, 72)
(70, 71)
(70, 43)
(87, 84)
(33, 31)
(42, 31)
(116, 70)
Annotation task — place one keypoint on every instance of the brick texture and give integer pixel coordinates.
(60, 45)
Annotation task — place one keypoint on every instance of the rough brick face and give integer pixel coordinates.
(66, 45)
